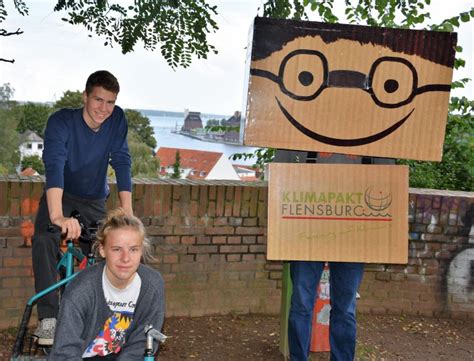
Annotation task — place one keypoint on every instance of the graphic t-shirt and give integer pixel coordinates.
(122, 303)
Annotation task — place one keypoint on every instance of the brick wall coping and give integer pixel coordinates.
(224, 182)
(441, 192)
(145, 180)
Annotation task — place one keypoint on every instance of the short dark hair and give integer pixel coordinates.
(104, 79)
(271, 35)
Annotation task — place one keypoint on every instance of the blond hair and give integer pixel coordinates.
(118, 219)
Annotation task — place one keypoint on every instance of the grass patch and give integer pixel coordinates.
(365, 352)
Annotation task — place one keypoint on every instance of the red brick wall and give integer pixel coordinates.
(209, 239)
(439, 277)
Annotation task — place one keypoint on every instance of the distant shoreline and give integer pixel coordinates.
(166, 113)
(204, 139)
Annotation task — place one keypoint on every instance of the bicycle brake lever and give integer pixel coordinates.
(53, 228)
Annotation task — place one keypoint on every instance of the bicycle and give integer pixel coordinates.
(65, 268)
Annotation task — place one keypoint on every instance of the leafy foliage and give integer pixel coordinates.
(144, 163)
(221, 128)
(33, 116)
(141, 143)
(23, 10)
(212, 123)
(6, 93)
(34, 162)
(19, 5)
(70, 99)
(384, 12)
(262, 155)
(176, 167)
(456, 170)
(9, 137)
(284, 9)
(181, 27)
(178, 28)
(140, 124)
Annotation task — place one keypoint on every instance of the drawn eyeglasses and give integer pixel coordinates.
(383, 82)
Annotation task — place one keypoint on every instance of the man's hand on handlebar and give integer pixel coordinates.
(69, 227)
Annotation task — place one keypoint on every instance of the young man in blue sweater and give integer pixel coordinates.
(79, 145)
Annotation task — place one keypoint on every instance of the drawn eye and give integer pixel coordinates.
(304, 73)
(390, 86)
(393, 81)
(306, 78)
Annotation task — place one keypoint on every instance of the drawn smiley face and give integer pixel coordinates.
(348, 96)
(391, 82)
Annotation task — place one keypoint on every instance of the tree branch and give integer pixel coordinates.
(3, 32)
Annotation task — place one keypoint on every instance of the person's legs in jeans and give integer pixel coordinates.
(45, 249)
(305, 278)
(345, 279)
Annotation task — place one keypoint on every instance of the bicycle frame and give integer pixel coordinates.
(66, 261)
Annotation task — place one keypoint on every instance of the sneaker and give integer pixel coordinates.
(45, 331)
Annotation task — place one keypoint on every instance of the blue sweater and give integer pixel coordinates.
(76, 158)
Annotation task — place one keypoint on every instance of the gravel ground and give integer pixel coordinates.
(256, 337)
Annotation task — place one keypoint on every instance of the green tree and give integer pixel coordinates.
(176, 167)
(33, 161)
(456, 170)
(70, 99)
(9, 137)
(178, 28)
(33, 116)
(6, 93)
(140, 124)
(144, 163)
(212, 123)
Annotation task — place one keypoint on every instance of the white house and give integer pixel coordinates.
(196, 164)
(31, 144)
(246, 173)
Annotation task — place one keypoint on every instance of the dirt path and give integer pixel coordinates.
(255, 337)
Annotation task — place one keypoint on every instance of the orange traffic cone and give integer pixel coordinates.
(322, 308)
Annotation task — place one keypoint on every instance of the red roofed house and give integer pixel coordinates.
(196, 164)
(28, 172)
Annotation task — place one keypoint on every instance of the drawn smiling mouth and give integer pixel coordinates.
(342, 142)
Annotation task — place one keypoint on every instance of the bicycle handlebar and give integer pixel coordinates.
(88, 234)
(155, 334)
(151, 335)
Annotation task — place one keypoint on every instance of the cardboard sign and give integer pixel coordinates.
(338, 212)
(348, 89)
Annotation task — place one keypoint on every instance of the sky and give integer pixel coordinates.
(52, 56)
